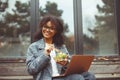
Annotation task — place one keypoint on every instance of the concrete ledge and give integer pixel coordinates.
(16, 78)
(107, 76)
(98, 77)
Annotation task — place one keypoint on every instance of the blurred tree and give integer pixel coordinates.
(51, 8)
(105, 26)
(16, 23)
(90, 45)
(106, 17)
(3, 5)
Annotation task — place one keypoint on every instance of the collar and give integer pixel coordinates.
(41, 44)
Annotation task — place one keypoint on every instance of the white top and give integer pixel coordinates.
(54, 64)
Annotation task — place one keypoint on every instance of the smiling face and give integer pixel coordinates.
(48, 30)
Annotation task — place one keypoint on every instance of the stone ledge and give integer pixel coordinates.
(16, 78)
(107, 76)
(98, 77)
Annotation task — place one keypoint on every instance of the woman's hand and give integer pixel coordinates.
(61, 58)
(48, 49)
(63, 62)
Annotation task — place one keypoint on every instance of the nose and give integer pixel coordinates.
(47, 29)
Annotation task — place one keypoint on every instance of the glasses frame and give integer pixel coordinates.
(49, 28)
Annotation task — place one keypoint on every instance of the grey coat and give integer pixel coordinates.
(38, 64)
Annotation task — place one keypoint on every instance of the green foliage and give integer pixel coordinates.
(104, 23)
(50, 8)
(16, 22)
(106, 17)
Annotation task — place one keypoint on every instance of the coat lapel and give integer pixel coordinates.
(41, 44)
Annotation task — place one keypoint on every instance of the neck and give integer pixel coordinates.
(48, 41)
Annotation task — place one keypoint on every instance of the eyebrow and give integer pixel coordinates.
(50, 26)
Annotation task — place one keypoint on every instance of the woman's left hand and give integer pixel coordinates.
(62, 62)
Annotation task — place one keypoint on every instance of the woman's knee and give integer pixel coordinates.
(88, 76)
(75, 77)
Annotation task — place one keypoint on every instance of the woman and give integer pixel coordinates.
(40, 56)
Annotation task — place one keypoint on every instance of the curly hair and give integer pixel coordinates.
(58, 39)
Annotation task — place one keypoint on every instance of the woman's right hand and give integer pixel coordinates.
(48, 49)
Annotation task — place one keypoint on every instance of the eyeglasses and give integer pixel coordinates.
(50, 28)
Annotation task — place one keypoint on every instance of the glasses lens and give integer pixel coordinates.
(50, 28)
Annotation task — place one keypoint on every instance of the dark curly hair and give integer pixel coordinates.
(58, 39)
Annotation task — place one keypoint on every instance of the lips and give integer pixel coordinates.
(46, 33)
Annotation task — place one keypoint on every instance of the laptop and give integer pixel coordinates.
(78, 64)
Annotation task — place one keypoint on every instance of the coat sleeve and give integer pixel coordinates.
(36, 63)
